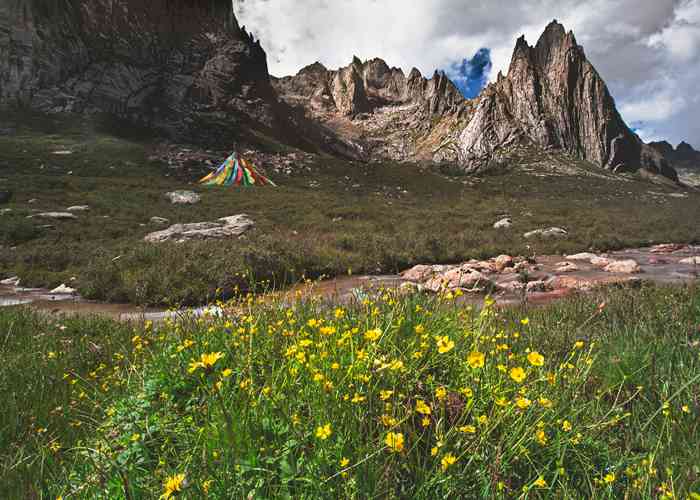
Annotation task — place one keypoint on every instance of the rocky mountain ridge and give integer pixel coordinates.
(684, 154)
(552, 97)
(186, 67)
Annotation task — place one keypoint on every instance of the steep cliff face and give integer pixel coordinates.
(158, 62)
(554, 98)
(377, 111)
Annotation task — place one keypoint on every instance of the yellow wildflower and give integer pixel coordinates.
(447, 461)
(227, 373)
(566, 426)
(420, 329)
(467, 429)
(422, 407)
(440, 393)
(540, 482)
(476, 359)
(323, 432)
(609, 478)
(546, 403)
(206, 361)
(517, 374)
(523, 403)
(444, 344)
(384, 395)
(425, 422)
(394, 440)
(535, 358)
(541, 437)
(357, 398)
(373, 335)
(525, 321)
(173, 485)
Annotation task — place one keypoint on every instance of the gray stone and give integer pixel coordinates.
(12, 281)
(78, 208)
(226, 227)
(55, 215)
(628, 266)
(159, 220)
(63, 290)
(183, 197)
(550, 232)
(586, 257)
(503, 224)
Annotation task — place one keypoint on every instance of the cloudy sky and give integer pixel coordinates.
(648, 51)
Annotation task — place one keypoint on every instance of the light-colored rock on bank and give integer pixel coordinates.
(226, 227)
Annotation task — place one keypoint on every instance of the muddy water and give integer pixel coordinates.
(662, 268)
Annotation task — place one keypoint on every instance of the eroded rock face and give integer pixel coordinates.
(553, 97)
(161, 62)
(226, 227)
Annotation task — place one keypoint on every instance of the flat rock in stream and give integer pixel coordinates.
(628, 266)
(226, 227)
(63, 290)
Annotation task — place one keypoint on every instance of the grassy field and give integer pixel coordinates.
(399, 215)
(389, 397)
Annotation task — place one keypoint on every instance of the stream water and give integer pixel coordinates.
(656, 267)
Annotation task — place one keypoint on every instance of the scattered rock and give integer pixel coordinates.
(226, 227)
(503, 262)
(566, 267)
(55, 215)
(183, 197)
(586, 256)
(655, 261)
(62, 152)
(13, 281)
(4, 211)
(32, 201)
(5, 196)
(463, 278)
(628, 266)
(63, 290)
(600, 261)
(159, 220)
(550, 232)
(503, 224)
(419, 273)
(538, 286)
(667, 248)
(78, 208)
(692, 261)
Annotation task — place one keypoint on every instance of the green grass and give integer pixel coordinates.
(300, 230)
(611, 413)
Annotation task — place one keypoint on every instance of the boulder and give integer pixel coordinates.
(586, 256)
(183, 197)
(504, 262)
(503, 224)
(226, 227)
(13, 281)
(667, 248)
(55, 215)
(419, 273)
(459, 278)
(628, 266)
(5, 196)
(566, 267)
(600, 261)
(692, 261)
(159, 221)
(538, 286)
(78, 208)
(550, 232)
(63, 290)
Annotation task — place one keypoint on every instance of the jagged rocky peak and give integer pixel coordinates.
(553, 97)
(364, 86)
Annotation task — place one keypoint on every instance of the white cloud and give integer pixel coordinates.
(648, 51)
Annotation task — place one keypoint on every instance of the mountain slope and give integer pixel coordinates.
(552, 97)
